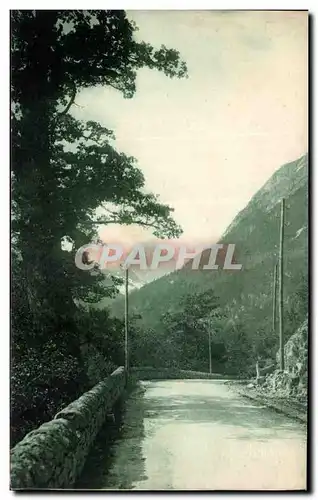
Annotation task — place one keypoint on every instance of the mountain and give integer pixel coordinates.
(246, 296)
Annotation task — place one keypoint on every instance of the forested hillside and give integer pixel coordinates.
(242, 328)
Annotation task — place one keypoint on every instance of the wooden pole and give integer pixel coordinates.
(257, 369)
(281, 286)
(126, 323)
(210, 353)
(275, 297)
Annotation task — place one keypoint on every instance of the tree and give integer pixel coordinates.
(239, 359)
(185, 330)
(57, 189)
(63, 169)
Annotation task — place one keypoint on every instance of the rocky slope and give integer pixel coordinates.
(286, 391)
(292, 383)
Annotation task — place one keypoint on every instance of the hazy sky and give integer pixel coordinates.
(206, 144)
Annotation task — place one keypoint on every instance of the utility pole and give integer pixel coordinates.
(206, 322)
(275, 297)
(126, 323)
(281, 286)
(210, 352)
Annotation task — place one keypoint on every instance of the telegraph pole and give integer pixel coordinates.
(281, 286)
(126, 323)
(210, 353)
(275, 297)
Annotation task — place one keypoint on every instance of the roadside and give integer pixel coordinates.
(284, 391)
(286, 405)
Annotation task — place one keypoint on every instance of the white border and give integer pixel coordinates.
(4, 255)
(167, 5)
(4, 183)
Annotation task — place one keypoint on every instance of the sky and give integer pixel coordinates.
(207, 143)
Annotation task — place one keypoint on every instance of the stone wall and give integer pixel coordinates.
(146, 373)
(52, 456)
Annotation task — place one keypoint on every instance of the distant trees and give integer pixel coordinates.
(242, 328)
(183, 340)
(62, 170)
(240, 333)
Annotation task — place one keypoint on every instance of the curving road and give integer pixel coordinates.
(198, 434)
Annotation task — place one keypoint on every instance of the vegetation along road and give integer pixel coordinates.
(198, 434)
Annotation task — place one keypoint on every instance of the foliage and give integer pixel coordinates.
(42, 382)
(183, 339)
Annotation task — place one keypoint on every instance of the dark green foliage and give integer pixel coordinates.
(182, 340)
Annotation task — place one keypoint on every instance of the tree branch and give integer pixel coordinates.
(120, 221)
(72, 99)
(114, 86)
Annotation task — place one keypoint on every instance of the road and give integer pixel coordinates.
(199, 434)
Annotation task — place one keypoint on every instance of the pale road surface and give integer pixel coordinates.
(199, 434)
